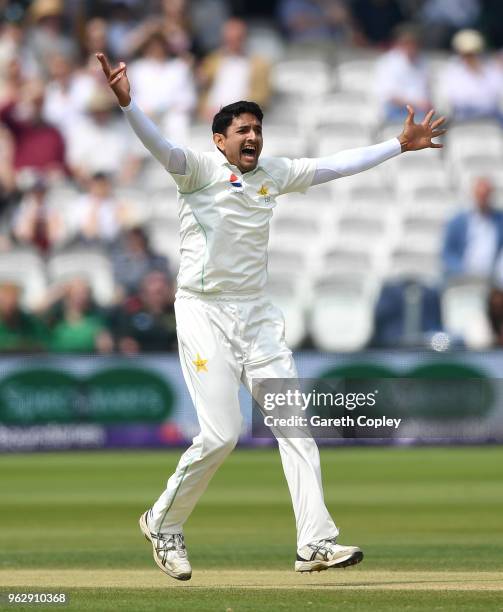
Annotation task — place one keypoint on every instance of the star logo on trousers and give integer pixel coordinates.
(200, 363)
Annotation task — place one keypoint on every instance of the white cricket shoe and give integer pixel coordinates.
(169, 551)
(326, 554)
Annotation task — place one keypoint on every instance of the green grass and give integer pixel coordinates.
(410, 509)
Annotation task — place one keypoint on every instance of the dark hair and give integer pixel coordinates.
(226, 114)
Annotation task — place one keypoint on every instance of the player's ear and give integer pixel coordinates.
(219, 140)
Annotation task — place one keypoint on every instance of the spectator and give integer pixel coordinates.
(67, 93)
(473, 239)
(11, 36)
(441, 19)
(164, 86)
(94, 40)
(35, 223)
(76, 325)
(100, 142)
(172, 22)
(7, 175)
(146, 322)
(121, 23)
(206, 18)
(12, 81)
(47, 36)
(229, 74)
(133, 259)
(375, 20)
(402, 76)
(37, 144)
(473, 85)
(306, 21)
(407, 313)
(19, 331)
(495, 312)
(99, 216)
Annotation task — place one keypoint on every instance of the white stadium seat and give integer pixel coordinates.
(91, 264)
(464, 311)
(341, 313)
(25, 268)
(286, 293)
(164, 237)
(356, 76)
(301, 77)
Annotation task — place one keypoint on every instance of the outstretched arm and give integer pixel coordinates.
(170, 155)
(415, 136)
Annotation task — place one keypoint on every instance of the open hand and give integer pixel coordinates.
(416, 136)
(117, 79)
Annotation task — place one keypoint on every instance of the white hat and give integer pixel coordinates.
(468, 42)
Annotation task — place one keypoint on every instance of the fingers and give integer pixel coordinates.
(104, 64)
(436, 145)
(115, 71)
(436, 133)
(118, 77)
(428, 117)
(410, 117)
(437, 122)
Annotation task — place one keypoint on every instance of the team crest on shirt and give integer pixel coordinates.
(264, 192)
(200, 363)
(236, 184)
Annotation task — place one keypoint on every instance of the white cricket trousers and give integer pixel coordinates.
(221, 344)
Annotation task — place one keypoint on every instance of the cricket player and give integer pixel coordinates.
(228, 330)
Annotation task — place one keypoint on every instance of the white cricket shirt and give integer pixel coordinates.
(225, 216)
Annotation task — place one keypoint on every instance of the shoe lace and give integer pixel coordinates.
(323, 547)
(170, 541)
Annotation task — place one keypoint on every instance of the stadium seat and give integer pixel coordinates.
(301, 77)
(164, 237)
(474, 138)
(476, 166)
(371, 179)
(154, 177)
(88, 263)
(136, 204)
(286, 293)
(284, 143)
(407, 182)
(464, 311)
(200, 138)
(421, 196)
(356, 76)
(164, 205)
(25, 268)
(348, 111)
(341, 317)
(413, 259)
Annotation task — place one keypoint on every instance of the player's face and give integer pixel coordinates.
(242, 144)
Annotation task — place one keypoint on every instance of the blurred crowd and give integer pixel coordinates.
(60, 127)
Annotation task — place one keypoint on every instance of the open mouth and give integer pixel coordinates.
(249, 152)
